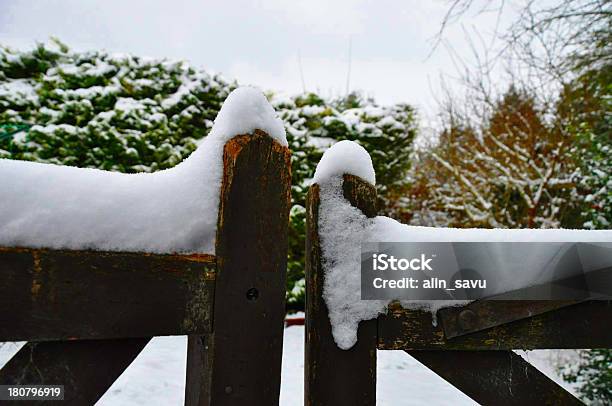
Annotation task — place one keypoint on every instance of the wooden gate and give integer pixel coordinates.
(470, 347)
(86, 315)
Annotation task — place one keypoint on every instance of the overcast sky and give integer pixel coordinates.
(261, 42)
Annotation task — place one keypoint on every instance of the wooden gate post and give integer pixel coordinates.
(336, 377)
(240, 362)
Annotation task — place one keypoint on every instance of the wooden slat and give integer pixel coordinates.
(518, 304)
(85, 368)
(484, 314)
(198, 370)
(240, 363)
(495, 378)
(583, 325)
(58, 295)
(335, 377)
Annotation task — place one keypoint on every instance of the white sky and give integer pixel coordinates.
(258, 42)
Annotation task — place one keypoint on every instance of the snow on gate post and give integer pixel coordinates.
(240, 362)
(336, 377)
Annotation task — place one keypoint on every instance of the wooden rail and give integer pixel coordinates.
(87, 315)
(454, 348)
(583, 325)
(68, 295)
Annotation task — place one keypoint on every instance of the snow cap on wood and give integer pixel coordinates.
(169, 211)
(245, 110)
(345, 158)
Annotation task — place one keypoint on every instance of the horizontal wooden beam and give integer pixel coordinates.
(86, 368)
(583, 325)
(495, 377)
(519, 304)
(62, 295)
(484, 314)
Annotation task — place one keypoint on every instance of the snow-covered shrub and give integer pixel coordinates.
(584, 109)
(130, 114)
(592, 374)
(100, 110)
(518, 166)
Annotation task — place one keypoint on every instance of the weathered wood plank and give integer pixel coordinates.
(510, 306)
(86, 368)
(59, 295)
(240, 363)
(198, 370)
(335, 377)
(484, 314)
(583, 325)
(495, 378)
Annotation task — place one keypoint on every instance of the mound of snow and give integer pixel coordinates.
(345, 157)
(247, 109)
(175, 210)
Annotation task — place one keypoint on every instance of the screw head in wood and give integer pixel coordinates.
(252, 294)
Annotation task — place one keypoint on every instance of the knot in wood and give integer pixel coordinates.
(467, 319)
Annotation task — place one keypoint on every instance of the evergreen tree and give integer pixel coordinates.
(584, 110)
(98, 110)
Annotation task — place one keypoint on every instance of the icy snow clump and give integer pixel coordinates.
(342, 228)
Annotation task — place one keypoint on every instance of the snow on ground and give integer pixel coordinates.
(157, 376)
(547, 362)
(7, 350)
(175, 210)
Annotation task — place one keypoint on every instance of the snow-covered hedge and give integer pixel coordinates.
(131, 114)
(100, 110)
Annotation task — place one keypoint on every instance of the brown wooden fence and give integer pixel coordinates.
(86, 315)
(470, 347)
